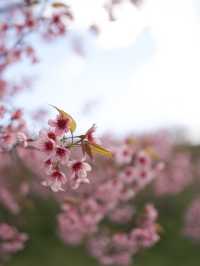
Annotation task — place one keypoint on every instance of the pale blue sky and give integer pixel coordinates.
(142, 83)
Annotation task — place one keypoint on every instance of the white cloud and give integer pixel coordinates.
(125, 30)
(163, 91)
(168, 87)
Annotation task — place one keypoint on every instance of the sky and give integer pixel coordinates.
(142, 72)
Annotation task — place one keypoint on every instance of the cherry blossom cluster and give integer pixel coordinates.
(19, 21)
(178, 173)
(13, 129)
(191, 227)
(11, 241)
(60, 157)
(56, 144)
(96, 196)
(118, 248)
(110, 248)
(49, 19)
(66, 164)
(88, 214)
(14, 182)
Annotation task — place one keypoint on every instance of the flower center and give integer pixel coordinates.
(62, 123)
(60, 152)
(48, 162)
(142, 160)
(48, 145)
(128, 172)
(51, 135)
(77, 166)
(57, 175)
(143, 174)
(125, 153)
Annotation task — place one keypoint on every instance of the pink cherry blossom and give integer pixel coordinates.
(22, 139)
(7, 140)
(11, 240)
(90, 136)
(79, 172)
(128, 175)
(8, 200)
(62, 155)
(123, 154)
(60, 124)
(191, 227)
(45, 144)
(48, 166)
(55, 180)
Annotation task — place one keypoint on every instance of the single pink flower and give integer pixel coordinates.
(143, 159)
(7, 140)
(45, 144)
(62, 155)
(51, 135)
(128, 175)
(90, 135)
(55, 180)
(6, 232)
(22, 139)
(61, 125)
(11, 240)
(79, 172)
(16, 115)
(123, 154)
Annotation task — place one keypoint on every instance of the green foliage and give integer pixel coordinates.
(45, 247)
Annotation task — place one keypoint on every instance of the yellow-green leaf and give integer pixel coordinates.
(33, 2)
(159, 228)
(87, 149)
(95, 148)
(72, 126)
(71, 200)
(152, 153)
(59, 5)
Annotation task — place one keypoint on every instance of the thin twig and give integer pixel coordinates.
(24, 34)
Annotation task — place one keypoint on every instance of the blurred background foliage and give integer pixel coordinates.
(45, 248)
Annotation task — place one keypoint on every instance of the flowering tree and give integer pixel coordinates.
(96, 195)
(60, 155)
